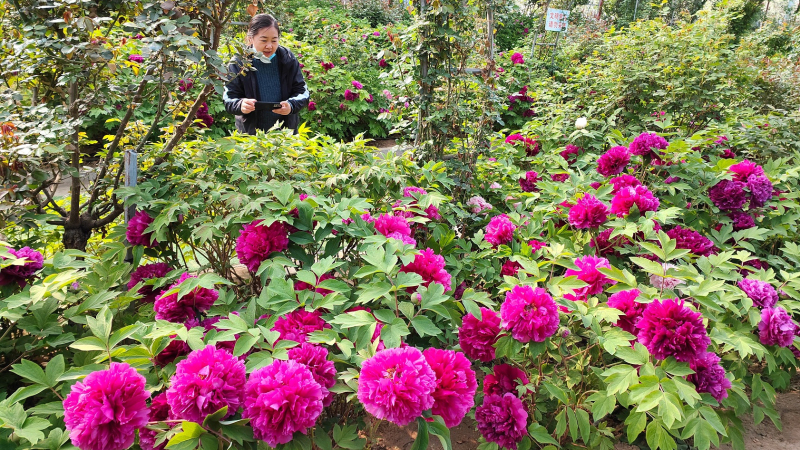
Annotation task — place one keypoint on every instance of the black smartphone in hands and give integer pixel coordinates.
(260, 106)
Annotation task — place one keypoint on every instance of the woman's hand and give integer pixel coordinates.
(285, 110)
(248, 105)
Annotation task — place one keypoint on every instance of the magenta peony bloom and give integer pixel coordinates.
(403, 238)
(528, 184)
(204, 382)
(536, 245)
(387, 224)
(312, 106)
(743, 170)
(298, 324)
(430, 267)
(159, 411)
(135, 232)
(303, 286)
(606, 245)
(517, 58)
(397, 385)
(669, 328)
(709, 376)
(282, 399)
(510, 268)
(477, 337)
(103, 411)
(34, 261)
(559, 177)
(640, 196)
(146, 272)
(316, 359)
(625, 301)
(624, 181)
(326, 66)
(647, 144)
(741, 220)
(728, 195)
(350, 95)
(760, 190)
(504, 379)
(357, 85)
(410, 191)
(760, 292)
(613, 161)
(502, 420)
(588, 273)
(530, 315)
(531, 146)
(570, 153)
(171, 308)
(776, 327)
(500, 230)
(455, 389)
(588, 212)
(175, 349)
(136, 58)
(382, 63)
(256, 242)
(691, 240)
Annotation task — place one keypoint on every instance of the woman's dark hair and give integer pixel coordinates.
(260, 21)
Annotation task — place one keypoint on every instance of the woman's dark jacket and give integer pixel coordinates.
(293, 90)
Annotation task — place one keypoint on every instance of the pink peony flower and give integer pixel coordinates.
(504, 379)
(430, 267)
(570, 153)
(588, 212)
(760, 292)
(588, 273)
(500, 230)
(159, 411)
(536, 245)
(624, 181)
(516, 58)
(478, 204)
(776, 327)
(397, 385)
(454, 394)
(326, 66)
(147, 272)
(19, 274)
(640, 196)
(647, 144)
(316, 359)
(760, 190)
(256, 242)
(613, 161)
(281, 399)
(298, 324)
(387, 224)
(528, 184)
(177, 310)
(135, 232)
(531, 146)
(606, 245)
(559, 177)
(477, 337)
(669, 328)
(625, 301)
(728, 195)
(502, 420)
(103, 411)
(530, 315)
(357, 85)
(741, 220)
(136, 58)
(664, 282)
(691, 240)
(743, 170)
(510, 268)
(709, 376)
(350, 95)
(403, 238)
(312, 106)
(204, 382)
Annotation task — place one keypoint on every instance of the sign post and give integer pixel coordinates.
(556, 20)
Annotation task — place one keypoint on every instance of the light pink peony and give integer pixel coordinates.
(640, 196)
(455, 389)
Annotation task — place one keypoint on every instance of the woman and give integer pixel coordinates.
(279, 81)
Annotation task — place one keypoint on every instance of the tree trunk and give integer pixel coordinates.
(76, 236)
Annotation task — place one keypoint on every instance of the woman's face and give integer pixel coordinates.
(266, 41)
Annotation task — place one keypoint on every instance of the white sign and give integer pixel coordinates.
(557, 20)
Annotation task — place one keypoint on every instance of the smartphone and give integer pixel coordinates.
(260, 106)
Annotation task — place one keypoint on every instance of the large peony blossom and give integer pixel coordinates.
(741, 220)
(387, 224)
(588, 273)
(159, 411)
(760, 292)
(709, 376)
(691, 240)
(743, 170)
(178, 310)
(528, 184)
(669, 328)
(776, 327)
(19, 274)
(500, 230)
(280, 400)
(588, 212)
(146, 272)
(728, 195)
(103, 411)
(204, 382)
(648, 144)
(640, 196)
(530, 314)
(135, 231)
(625, 301)
(504, 379)
(613, 161)
(257, 242)
(316, 359)
(430, 267)
(570, 153)
(397, 385)
(624, 181)
(510, 268)
(298, 324)
(477, 337)
(760, 190)
(502, 420)
(517, 58)
(455, 389)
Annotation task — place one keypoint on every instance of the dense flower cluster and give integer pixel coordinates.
(430, 267)
(500, 230)
(647, 144)
(588, 212)
(691, 240)
(640, 196)
(530, 314)
(147, 272)
(170, 307)
(477, 337)
(257, 242)
(298, 324)
(669, 328)
(613, 161)
(528, 184)
(588, 273)
(135, 232)
(455, 389)
(760, 292)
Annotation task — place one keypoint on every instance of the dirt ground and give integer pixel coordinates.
(763, 436)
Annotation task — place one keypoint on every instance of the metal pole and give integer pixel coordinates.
(131, 175)
(635, 8)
